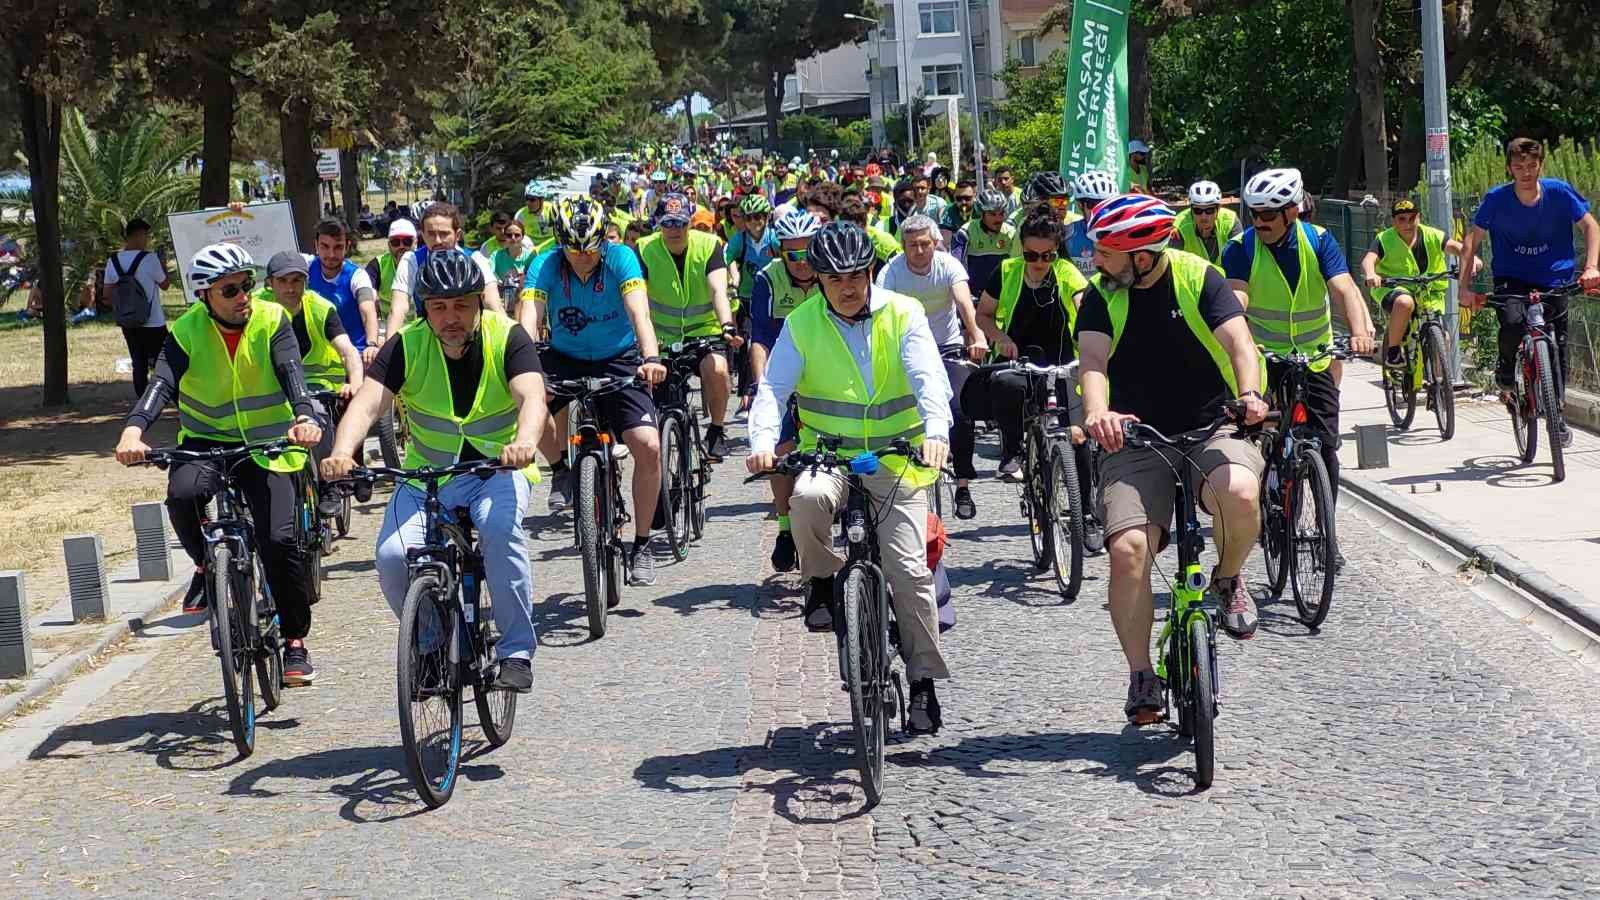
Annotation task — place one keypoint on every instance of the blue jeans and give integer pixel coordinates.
(497, 507)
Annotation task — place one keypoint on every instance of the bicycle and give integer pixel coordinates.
(1186, 661)
(1425, 350)
(600, 511)
(1537, 387)
(685, 470)
(245, 632)
(1297, 523)
(447, 638)
(866, 631)
(339, 523)
(394, 431)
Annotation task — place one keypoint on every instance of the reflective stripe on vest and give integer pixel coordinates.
(680, 305)
(234, 399)
(786, 298)
(1398, 260)
(830, 394)
(1286, 321)
(324, 366)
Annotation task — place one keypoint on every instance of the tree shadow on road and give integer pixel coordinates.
(195, 740)
(376, 780)
(809, 772)
(1125, 756)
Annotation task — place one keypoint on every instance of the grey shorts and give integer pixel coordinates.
(1138, 484)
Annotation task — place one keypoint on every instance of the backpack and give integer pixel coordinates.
(129, 299)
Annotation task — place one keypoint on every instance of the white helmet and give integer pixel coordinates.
(795, 224)
(213, 261)
(1094, 185)
(794, 162)
(1274, 189)
(1205, 193)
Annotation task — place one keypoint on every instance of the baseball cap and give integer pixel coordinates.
(674, 210)
(402, 228)
(286, 262)
(1138, 146)
(703, 218)
(1403, 205)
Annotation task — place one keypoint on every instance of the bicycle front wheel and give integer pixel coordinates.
(1202, 701)
(594, 533)
(1312, 540)
(1398, 395)
(428, 684)
(1436, 374)
(866, 645)
(1064, 507)
(229, 637)
(1551, 407)
(497, 709)
(697, 476)
(674, 501)
(392, 435)
(1033, 502)
(1273, 525)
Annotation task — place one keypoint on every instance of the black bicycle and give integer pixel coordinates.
(862, 615)
(1537, 383)
(245, 631)
(321, 529)
(1425, 351)
(447, 636)
(600, 511)
(1297, 522)
(685, 470)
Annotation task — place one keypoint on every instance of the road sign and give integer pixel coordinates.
(328, 163)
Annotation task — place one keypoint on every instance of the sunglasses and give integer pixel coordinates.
(1034, 256)
(230, 291)
(1060, 201)
(401, 242)
(1205, 211)
(1265, 215)
(796, 256)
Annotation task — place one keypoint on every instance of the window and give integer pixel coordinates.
(886, 22)
(941, 81)
(889, 76)
(939, 17)
(1025, 50)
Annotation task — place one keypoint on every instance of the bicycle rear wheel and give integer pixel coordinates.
(497, 709)
(1065, 514)
(237, 666)
(1524, 419)
(866, 643)
(594, 534)
(269, 652)
(1312, 540)
(1033, 502)
(699, 475)
(1436, 375)
(1398, 395)
(1273, 524)
(428, 685)
(675, 510)
(392, 433)
(1550, 406)
(1202, 704)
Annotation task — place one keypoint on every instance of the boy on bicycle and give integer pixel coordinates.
(1407, 249)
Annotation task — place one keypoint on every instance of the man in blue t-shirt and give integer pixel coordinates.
(1529, 223)
(592, 294)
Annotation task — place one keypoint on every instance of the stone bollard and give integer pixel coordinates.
(16, 647)
(153, 540)
(1372, 446)
(87, 584)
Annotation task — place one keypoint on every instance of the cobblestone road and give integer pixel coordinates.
(1422, 745)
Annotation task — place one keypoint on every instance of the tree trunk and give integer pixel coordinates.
(216, 152)
(1345, 163)
(41, 142)
(350, 186)
(1369, 85)
(1138, 124)
(772, 93)
(301, 186)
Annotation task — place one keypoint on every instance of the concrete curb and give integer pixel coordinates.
(1582, 409)
(1492, 558)
(59, 670)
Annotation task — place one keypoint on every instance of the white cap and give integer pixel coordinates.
(402, 228)
(1138, 146)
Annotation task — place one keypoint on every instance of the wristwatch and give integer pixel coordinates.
(1255, 394)
(652, 360)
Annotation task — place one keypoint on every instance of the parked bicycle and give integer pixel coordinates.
(685, 470)
(1537, 388)
(1426, 354)
(447, 637)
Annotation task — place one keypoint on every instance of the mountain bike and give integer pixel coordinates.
(865, 630)
(1297, 522)
(600, 511)
(393, 433)
(317, 529)
(1537, 388)
(685, 470)
(447, 637)
(1186, 658)
(1426, 351)
(245, 631)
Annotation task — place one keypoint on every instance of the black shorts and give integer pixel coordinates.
(628, 408)
(1388, 299)
(1321, 399)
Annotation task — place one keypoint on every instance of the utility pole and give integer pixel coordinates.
(972, 85)
(1435, 106)
(901, 37)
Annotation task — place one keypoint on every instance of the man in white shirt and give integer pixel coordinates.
(441, 230)
(137, 261)
(939, 281)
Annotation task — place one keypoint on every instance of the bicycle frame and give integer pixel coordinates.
(1188, 587)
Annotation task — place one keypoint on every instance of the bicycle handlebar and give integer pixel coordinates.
(1339, 349)
(1498, 299)
(584, 387)
(477, 467)
(827, 456)
(1139, 435)
(162, 458)
(1419, 280)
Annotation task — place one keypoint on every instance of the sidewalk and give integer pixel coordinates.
(1474, 493)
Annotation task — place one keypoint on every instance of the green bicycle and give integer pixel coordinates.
(1426, 350)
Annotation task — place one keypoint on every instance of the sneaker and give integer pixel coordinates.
(330, 504)
(82, 315)
(1011, 469)
(619, 450)
(783, 552)
(1144, 706)
(1394, 358)
(560, 489)
(297, 667)
(965, 508)
(642, 563)
(716, 443)
(818, 612)
(924, 716)
(1566, 436)
(1238, 610)
(1094, 538)
(515, 675)
(195, 601)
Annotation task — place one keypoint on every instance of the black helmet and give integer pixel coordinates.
(991, 201)
(449, 273)
(1045, 185)
(841, 248)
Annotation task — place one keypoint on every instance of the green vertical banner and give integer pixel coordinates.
(1094, 117)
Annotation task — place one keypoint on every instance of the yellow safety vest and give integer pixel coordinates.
(1290, 321)
(680, 305)
(322, 364)
(234, 399)
(1398, 261)
(786, 298)
(1069, 281)
(1226, 219)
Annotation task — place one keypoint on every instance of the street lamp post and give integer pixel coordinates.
(972, 82)
(881, 133)
(900, 56)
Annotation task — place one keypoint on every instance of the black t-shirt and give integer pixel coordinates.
(1419, 251)
(1038, 321)
(331, 329)
(1160, 372)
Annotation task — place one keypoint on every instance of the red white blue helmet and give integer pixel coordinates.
(1131, 222)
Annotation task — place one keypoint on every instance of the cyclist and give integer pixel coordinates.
(511, 264)
(1529, 221)
(959, 211)
(687, 279)
(599, 314)
(852, 209)
(1408, 248)
(232, 366)
(780, 287)
(1005, 181)
(1046, 188)
(1287, 268)
(473, 389)
(1030, 302)
(381, 270)
(938, 281)
(1165, 329)
(1139, 176)
(1205, 228)
(751, 247)
(535, 216)
(986, 239)
(441, 230)
(345, 283)
(851, 350)
(498, 223)
(928, 203)
(1089, 189)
